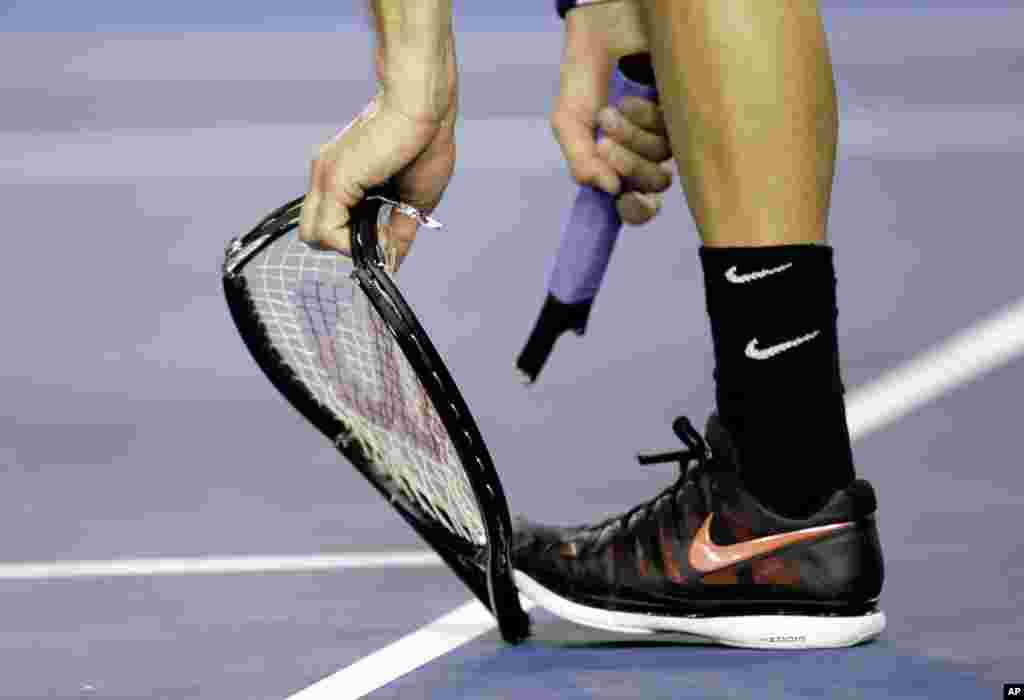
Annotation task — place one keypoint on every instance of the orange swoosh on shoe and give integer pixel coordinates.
(706, 556)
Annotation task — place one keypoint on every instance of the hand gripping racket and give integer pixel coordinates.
(335, 336)
(587, 244)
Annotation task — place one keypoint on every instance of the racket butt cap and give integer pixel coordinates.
(556, 317)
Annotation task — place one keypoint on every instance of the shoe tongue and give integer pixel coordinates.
(722, 444)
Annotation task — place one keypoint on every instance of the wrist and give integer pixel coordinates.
(612, 28)
(421, 81)
(416, 56)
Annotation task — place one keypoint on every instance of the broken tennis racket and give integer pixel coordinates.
(337, 338)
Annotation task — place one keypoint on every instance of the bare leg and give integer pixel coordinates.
(750, 101)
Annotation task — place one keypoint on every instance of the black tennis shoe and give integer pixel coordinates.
(705, 559)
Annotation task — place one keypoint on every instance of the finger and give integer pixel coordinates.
(645, 114)
(398, 237)
(332, 230)
(394, 238)
(575, 136)
(332, 212)
(636, 208)
(616, 126)
(584, 76)
(638, 173)
(350, 163)
(422, 184)
(307, 217)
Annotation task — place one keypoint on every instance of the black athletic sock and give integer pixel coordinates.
(778, 384)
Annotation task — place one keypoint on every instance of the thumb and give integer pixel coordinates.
(583, 90)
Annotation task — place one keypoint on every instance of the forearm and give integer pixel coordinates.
(423, 26)
(416, 61)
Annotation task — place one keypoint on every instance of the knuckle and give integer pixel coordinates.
(660, 180)
(661, 149)
(631, 211)
(645, 181)
(641, 208)
(584, 174)
(651, 147)
(611, 119)
(621, 160)
(640, 111)
(348, 193)
(581, 176)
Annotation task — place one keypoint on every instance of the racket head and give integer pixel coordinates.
(406, 429)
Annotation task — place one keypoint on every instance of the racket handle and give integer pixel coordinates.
(587, 243)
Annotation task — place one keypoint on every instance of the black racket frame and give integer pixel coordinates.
(486, 571)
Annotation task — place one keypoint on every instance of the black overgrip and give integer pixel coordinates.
(556, 317)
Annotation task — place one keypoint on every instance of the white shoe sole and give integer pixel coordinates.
(748, 631)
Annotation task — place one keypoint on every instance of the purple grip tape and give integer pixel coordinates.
(586, 246)
(593, 226)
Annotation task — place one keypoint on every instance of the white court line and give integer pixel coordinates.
(214, 565)
(982, 347)
(466, 622)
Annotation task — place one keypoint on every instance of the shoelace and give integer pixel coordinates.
(697, 448)
(693, 460)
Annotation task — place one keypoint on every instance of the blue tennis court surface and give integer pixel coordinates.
(134, 426)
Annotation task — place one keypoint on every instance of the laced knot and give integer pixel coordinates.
(697, 456)
(697, 449)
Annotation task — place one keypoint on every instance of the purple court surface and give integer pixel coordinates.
(135, 429)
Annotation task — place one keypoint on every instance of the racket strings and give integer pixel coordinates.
(335, 343)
